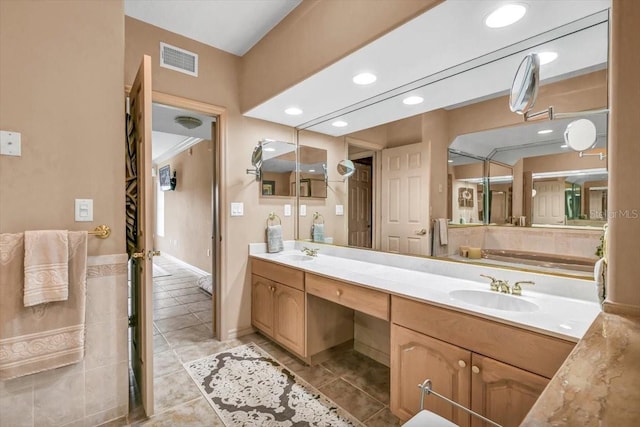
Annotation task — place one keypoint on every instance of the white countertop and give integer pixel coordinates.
(558, 316)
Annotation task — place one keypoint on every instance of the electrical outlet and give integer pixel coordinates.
(287, 210)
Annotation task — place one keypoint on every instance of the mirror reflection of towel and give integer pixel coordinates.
(274, 238)
(443, 231)
(317, 232)
(599, 275)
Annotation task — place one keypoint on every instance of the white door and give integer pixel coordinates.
(548, 203)
(405, 200)
(142, 267)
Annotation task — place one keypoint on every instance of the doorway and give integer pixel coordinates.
(361, 203)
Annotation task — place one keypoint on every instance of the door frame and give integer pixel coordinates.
(217, 191)
(374, 205)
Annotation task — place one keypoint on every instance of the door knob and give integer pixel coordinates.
(421, 232)
(138, 254)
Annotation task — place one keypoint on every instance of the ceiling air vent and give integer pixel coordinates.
(178, 59)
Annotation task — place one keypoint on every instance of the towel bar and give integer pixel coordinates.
(101, 231)
(272, 217)
(425, 388)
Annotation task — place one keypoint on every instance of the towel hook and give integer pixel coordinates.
(272, 218)
(318, 218)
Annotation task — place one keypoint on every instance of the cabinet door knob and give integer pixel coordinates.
(475, 369)
(462, 363)
(272, 288)
(338, 292)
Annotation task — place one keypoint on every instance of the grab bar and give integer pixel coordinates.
(425, 388)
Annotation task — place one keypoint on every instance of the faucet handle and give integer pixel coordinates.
(495, 283)
(503, 286)
(517, 290)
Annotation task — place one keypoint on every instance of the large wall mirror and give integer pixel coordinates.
(499, 182)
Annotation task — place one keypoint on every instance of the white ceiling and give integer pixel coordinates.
(230, 25)
(445, 40)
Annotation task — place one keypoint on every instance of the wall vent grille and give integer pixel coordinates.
(178, 59)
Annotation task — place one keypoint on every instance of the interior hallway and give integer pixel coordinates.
(182, 333)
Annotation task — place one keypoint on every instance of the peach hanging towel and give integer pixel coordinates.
(46, 266)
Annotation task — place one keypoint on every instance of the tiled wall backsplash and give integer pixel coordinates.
(95, 390)
(559, 241)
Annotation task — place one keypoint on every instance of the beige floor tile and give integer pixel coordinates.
(197, 413)
(201, 296)
(205, 316)
(352, 400)
(165, 302)
(173, 389)
(200, 306)
(185, 291)
(204, 349)
(165, 362)
(159, 343)
(167, 312)
(161, 295)
(176, 323)
(317, 376)
(383, 418)
(363, 372)
(189, 336)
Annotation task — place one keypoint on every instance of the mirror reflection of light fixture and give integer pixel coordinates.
(188, 122)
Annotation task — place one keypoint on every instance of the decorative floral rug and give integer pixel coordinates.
(247, 387)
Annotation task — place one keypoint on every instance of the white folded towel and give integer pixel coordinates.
(274, 238)
(317, 232)
(600, 275)
(46, 266)
(444, 231)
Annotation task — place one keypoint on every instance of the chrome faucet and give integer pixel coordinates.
(517, 290)
(310, 252)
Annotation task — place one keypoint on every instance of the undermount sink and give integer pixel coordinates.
(493, 300)
(297, 257)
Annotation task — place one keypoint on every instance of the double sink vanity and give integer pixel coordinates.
(491, 351)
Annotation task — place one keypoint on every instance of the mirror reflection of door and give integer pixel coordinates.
(360, 203)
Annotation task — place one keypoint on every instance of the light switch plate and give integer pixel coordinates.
(287, 210)
(339, 210)
(303, 210)
(84, 210)
(10, 143)
(237, 209)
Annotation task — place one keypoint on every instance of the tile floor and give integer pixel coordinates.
(182, 333)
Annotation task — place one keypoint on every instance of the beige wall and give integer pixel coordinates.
(187, 210)
(624, 159)
(300, 44)
(61, 87)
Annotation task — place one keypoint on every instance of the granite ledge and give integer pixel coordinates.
(599, 383)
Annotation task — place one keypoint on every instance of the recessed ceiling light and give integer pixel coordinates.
(505, 15)
(364, 79)
(339, 123)
(268, 149)
(412, 100)
(564, 146)
(293, 111)
(546, 57)
(312, 170)
(544, 131)
(450, 161)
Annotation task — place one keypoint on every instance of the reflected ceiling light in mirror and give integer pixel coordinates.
(364, 79)
(339, 123)
(546, 57)
(293, 111)
(544, 131)
(450, 161)
(505, 15)
(268, 149)
(413, 100)
(564, 146)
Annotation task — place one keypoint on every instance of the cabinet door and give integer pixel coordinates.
(501, 392)
(416, 357)
(262, 291)
(289, 318)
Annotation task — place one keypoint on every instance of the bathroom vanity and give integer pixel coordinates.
(494, 361)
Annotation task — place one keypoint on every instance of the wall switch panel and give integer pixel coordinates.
(339, 210)
(287, 210)
(237, 209)
(10, 143)
(303, 210)
(84, 210)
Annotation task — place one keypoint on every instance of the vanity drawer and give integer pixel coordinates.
(278, 273)
(527, 350)
(374, 303)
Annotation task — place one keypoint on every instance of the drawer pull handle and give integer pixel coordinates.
(338, 292)
(475, 369)
(462, 363)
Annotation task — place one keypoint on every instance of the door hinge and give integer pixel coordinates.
(133, 322)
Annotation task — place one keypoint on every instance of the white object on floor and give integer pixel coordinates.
(206, 283)
(426, 418)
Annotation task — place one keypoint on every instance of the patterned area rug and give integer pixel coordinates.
(247, 387)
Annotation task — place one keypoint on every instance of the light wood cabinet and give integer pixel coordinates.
(501, 392)
(416, 357)
(289, 318)
(262, 303)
